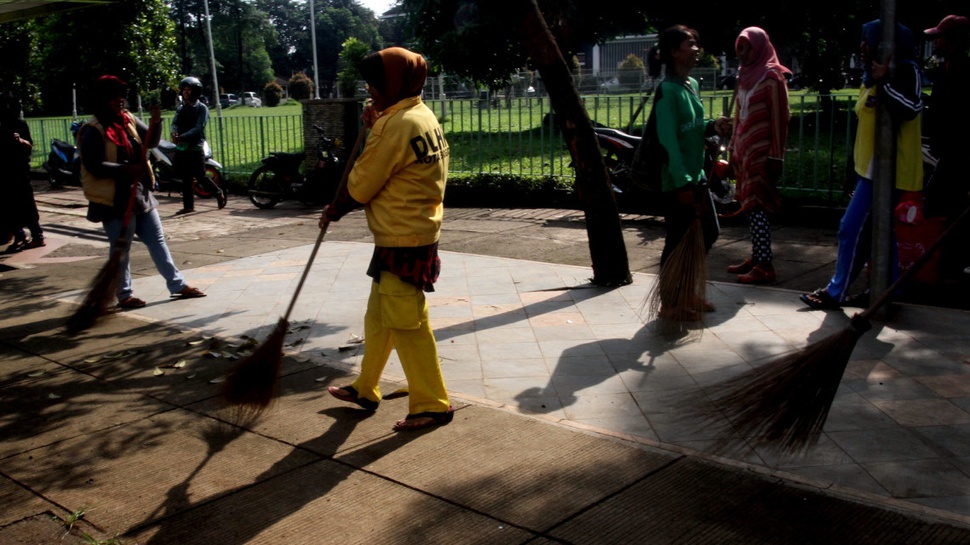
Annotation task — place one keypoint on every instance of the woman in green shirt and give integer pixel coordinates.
(681, 130)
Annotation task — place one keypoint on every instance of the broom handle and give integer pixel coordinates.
(126, 219)
(354, 152)
(867, 313)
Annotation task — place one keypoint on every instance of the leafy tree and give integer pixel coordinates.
(509, 34)
(353, 51)
(240, 33)
(17, 47)
(291, 23)
(133, 40)
(336, 21)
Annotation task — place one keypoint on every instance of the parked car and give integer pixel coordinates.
(249, 98)
(228, 99)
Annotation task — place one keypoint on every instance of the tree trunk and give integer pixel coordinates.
(606, 246)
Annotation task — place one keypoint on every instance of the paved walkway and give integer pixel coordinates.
(536, 338)
(528, 337)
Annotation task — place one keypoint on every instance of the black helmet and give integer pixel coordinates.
(194, 85)
(191, 82)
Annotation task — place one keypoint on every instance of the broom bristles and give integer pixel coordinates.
(681, 287)
(782, 406)
(101, 291)
(252, 384)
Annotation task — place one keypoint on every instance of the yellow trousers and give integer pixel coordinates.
(397, 318)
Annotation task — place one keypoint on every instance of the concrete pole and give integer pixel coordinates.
(884, 168)
(313, 44)
(212, 58)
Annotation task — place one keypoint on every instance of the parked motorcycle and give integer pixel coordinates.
(618, 149)
(280, 177)
(162, 159)
(63, 163)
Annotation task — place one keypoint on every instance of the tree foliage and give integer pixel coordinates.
(17, 47)
(444, 28)
(818, 37)
(353, 52)
(133, 40)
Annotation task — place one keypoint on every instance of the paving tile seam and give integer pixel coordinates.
(606, 498)
(147, 524)
(425, 493)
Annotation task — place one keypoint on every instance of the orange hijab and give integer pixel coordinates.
(396, 73)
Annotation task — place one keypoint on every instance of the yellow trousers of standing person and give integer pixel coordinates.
(397, 319)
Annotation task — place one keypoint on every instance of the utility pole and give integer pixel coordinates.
(212, 58)
(884, 167)
(313, 42)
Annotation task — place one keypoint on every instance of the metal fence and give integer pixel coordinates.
(499, 134)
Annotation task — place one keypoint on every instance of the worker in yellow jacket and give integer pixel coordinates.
(399, 178)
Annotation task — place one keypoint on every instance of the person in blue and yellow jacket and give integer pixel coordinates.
(399, 178)
(903, 95)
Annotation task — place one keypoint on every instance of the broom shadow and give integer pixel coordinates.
(273, 501)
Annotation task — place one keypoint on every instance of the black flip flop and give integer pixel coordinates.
(822, 300)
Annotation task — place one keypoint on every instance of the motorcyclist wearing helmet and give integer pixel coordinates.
(188, 134)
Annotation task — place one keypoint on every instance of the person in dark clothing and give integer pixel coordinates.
(947, 120)
(188, 134)
(117, 182)
(19, 210)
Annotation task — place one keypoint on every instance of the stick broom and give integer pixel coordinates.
(252, 383)
(782, 405)
(105, 285)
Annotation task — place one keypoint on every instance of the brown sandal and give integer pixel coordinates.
(188, 292)
(131, 302)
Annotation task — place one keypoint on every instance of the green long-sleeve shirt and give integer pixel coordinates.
(680, 129)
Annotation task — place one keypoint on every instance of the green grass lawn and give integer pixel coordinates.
(520, 138)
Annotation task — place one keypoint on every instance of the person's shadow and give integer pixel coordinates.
(589, 364)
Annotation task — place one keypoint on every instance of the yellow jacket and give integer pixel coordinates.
(400, 176)
(909, 148)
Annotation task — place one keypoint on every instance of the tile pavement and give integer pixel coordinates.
(538, 340)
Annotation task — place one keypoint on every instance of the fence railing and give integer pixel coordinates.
(518, 136)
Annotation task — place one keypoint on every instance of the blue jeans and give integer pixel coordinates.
(855, 242)
(148, 227)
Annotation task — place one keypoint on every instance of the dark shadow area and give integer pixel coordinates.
(274, 496)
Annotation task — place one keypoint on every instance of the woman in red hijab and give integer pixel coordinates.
(117, 181)
(757, 148)
(399, 178)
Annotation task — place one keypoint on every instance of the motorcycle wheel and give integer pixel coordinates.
(264, 181)
(214, 176)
